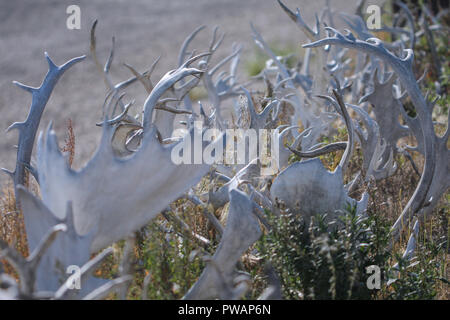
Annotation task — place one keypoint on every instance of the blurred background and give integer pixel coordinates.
(144, 30)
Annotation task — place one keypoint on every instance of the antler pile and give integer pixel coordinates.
(132, 176)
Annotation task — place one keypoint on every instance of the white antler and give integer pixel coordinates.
(120, 195)
(403, 69)
(28, 128)
(241, 231)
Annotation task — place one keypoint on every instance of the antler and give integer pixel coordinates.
(26, 267)
(28, 128)
(310, 188)
(148, 179)
(297, 18)
(403, 68)
(166, 82)
(241, 231)
(71, 248)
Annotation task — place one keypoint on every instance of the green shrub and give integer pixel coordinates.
(320, 261)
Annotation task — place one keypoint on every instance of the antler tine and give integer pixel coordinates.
(36, 255)
(300, 111)
(107, 288)
(213, 39)
(172, 110)
(260, 41)
(105, 70)
(297, 18)
(167, 82)
(225, 60)
(188, 62)
(349, 124)
(111, 56)
(332, 147)
(86, 271)
(182, 55)
(409, 17)
(93, 45)
(145, 80)
(119, 117)
(359, 7)
(216, 45)
(93, 49)
(340, 107)
(118, 101)
(186, 43)
(153, 66)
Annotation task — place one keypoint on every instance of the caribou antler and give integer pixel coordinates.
(166, 82)
(309, 188)
(148, 180)
(403, 68)
(71, 248)
(28, 128)
(27, 268)
(241, 231)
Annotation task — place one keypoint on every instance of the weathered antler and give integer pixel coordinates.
(403, 68)
(28, 128)
(241, 231)
(148, 180)
(309, 188)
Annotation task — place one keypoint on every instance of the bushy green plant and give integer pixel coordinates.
(416, 279)
(170, 261)
(320, 261)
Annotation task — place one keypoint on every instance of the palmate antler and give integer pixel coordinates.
(374, 148)
(147, 180)
(97, 216)
(146, 183)
(424, 129)
(387, 110)
(309, 188)
(54, 246)
(70, 248)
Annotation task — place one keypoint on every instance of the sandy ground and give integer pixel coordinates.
(144, 29)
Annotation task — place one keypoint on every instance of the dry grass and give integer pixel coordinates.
(69, 142)
(12, 227)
